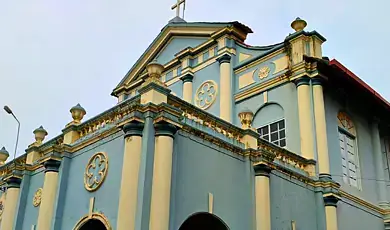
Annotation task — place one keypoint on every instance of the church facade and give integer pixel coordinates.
(212, 133)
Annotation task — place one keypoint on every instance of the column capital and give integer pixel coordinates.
(188, 77)
(304, 80)
(317, 81)
(133, 128)
(262, 170)
(13, 182)
(165, 129)
(51, 165)
(224, 59)
(331, 199)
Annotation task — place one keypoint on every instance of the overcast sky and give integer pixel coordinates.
(57, 53)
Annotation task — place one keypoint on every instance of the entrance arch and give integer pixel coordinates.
(203, 221)
(96, 221)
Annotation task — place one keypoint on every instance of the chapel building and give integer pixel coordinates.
(212, 133)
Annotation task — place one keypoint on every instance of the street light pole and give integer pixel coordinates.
(9, 111)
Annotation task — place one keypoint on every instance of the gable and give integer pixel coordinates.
(164, 45)
(175, 45)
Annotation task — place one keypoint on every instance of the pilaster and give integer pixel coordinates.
(379, 167)
(262, 196)
(187, 86)
(320, 124)
(11, 202)
(162, 173)
(225, 87)
(128, 193)
(305, 119)
(50, 184)
(330, 202)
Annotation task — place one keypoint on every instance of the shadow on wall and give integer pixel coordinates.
(204, 221)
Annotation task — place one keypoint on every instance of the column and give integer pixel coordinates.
(128, 194)
(330, 201)
(305, 118)
(321, 134)
(262, 195)
(225, 102)
(379, 168)
(187, 87)
(11, 201)
(50, 183)
(162, 170)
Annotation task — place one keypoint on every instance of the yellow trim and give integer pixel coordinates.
(37, 197)
(128, 193)
(225, 97)
(261, 87)
(265, 96)
(161, 184)
(246, 79)
(199, 91)
(243, 56)
(280, 64)
(96, 216)
(211, 203)
(46, 210)
(263, 206)
(305, 122)
(259, 61)
(9, 213)
(187, 92)
(103, 158)
(331, 217)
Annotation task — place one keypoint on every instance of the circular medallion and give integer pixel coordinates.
(263, 72)
(96, 171)
(37, 197)
(206, 94)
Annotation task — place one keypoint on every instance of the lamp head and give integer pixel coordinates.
(7, 109)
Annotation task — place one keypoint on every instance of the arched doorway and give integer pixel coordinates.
(93, 224)
(203, 221)
(96, 221)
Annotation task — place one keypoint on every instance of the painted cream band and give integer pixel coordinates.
(331, 217)
(226, 92)
(11, 201)
(187, 91)
(321, 134)
(263, 207)
(46, 208)
(305, 121)
(129, 184)
(161, 185)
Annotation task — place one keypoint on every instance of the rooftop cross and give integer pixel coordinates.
(177, 6)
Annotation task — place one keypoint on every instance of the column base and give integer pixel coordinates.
(384, 204)
(325, 177)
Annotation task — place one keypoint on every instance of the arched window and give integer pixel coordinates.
(270, 123)
(349, 157)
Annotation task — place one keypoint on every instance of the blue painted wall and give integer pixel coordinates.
(292, 200)
(177, 88)
(366, 159)
(210, 72)
(240, 48)
(352, 216)
(284, 95)
(31, 213)
(176, 45)
(201, 168)
(107, 196)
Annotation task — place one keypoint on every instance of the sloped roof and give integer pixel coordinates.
(186, 29)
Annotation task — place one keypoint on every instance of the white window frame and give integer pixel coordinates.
(269, 131)
(346, 135)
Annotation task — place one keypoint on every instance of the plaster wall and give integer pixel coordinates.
(201, 168)
(107, 196)
(367, 190)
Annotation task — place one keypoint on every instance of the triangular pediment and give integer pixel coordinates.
(172, 39)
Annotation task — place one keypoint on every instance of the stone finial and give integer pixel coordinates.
(40, 134)
(3, 155)
(78, 113)
(154, 71)
(246, 117)
(298, 24)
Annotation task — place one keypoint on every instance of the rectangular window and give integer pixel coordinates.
(274, 133)
(349, 159)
